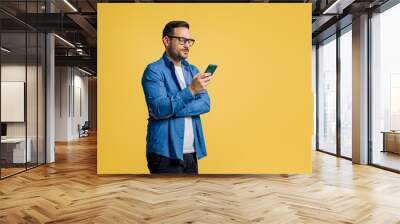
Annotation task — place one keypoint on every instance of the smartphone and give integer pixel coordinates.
(211, 68)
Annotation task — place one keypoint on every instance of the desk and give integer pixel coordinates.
(391, 141)
(15, 148)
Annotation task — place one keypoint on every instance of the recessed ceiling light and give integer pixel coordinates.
(64, 40)
(70, 5)
(84, 71)
(5, 50)
(338, 6)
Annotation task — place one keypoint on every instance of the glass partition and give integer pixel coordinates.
(22, 63)
(14, 154)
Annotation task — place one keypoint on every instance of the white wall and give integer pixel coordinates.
(33, 127)
(81, 84)
(62, 81)
(71, 93)
(12, 73)
(9, 73)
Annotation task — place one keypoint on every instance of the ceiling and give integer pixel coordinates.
(76, 22)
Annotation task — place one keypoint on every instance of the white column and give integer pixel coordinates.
(50, 110)
(50, 92)
(360, 90)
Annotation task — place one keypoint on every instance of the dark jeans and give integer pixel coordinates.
(158, 164)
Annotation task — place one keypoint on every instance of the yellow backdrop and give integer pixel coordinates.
(261, 114)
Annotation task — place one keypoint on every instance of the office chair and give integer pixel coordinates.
(84, 130)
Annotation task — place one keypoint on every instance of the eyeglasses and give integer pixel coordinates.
(183, 40)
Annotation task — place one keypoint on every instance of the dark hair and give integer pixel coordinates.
(169, 28)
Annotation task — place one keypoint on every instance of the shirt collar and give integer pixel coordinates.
(169, 62)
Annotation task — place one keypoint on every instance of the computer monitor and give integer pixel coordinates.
(3, 129)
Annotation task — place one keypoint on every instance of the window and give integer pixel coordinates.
(346, 93)
(327, 95)
(385, 88)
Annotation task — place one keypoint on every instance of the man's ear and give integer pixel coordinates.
(166, 41)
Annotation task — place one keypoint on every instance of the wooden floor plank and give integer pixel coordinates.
(70, 191)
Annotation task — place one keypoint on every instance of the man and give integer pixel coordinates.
(176, 95)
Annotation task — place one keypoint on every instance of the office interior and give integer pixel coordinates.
(48, 82)
(334, 62)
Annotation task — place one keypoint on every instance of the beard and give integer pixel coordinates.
(179, 54)
(183, 54)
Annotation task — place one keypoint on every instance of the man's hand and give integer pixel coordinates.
(200, 83)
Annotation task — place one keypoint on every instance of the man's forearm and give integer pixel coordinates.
(166, 107)
(196, 107)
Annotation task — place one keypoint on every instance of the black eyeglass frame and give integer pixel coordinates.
(183, 40)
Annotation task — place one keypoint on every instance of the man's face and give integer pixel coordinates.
(175, 47)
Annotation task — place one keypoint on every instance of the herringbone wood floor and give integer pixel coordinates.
(70, 191)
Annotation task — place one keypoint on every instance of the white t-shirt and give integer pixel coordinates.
(188, 138)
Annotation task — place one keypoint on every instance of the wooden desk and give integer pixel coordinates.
(13, 150)
(391, 141)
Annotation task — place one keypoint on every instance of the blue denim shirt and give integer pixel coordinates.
(168, 105)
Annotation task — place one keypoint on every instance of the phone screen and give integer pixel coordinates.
(211, 68)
